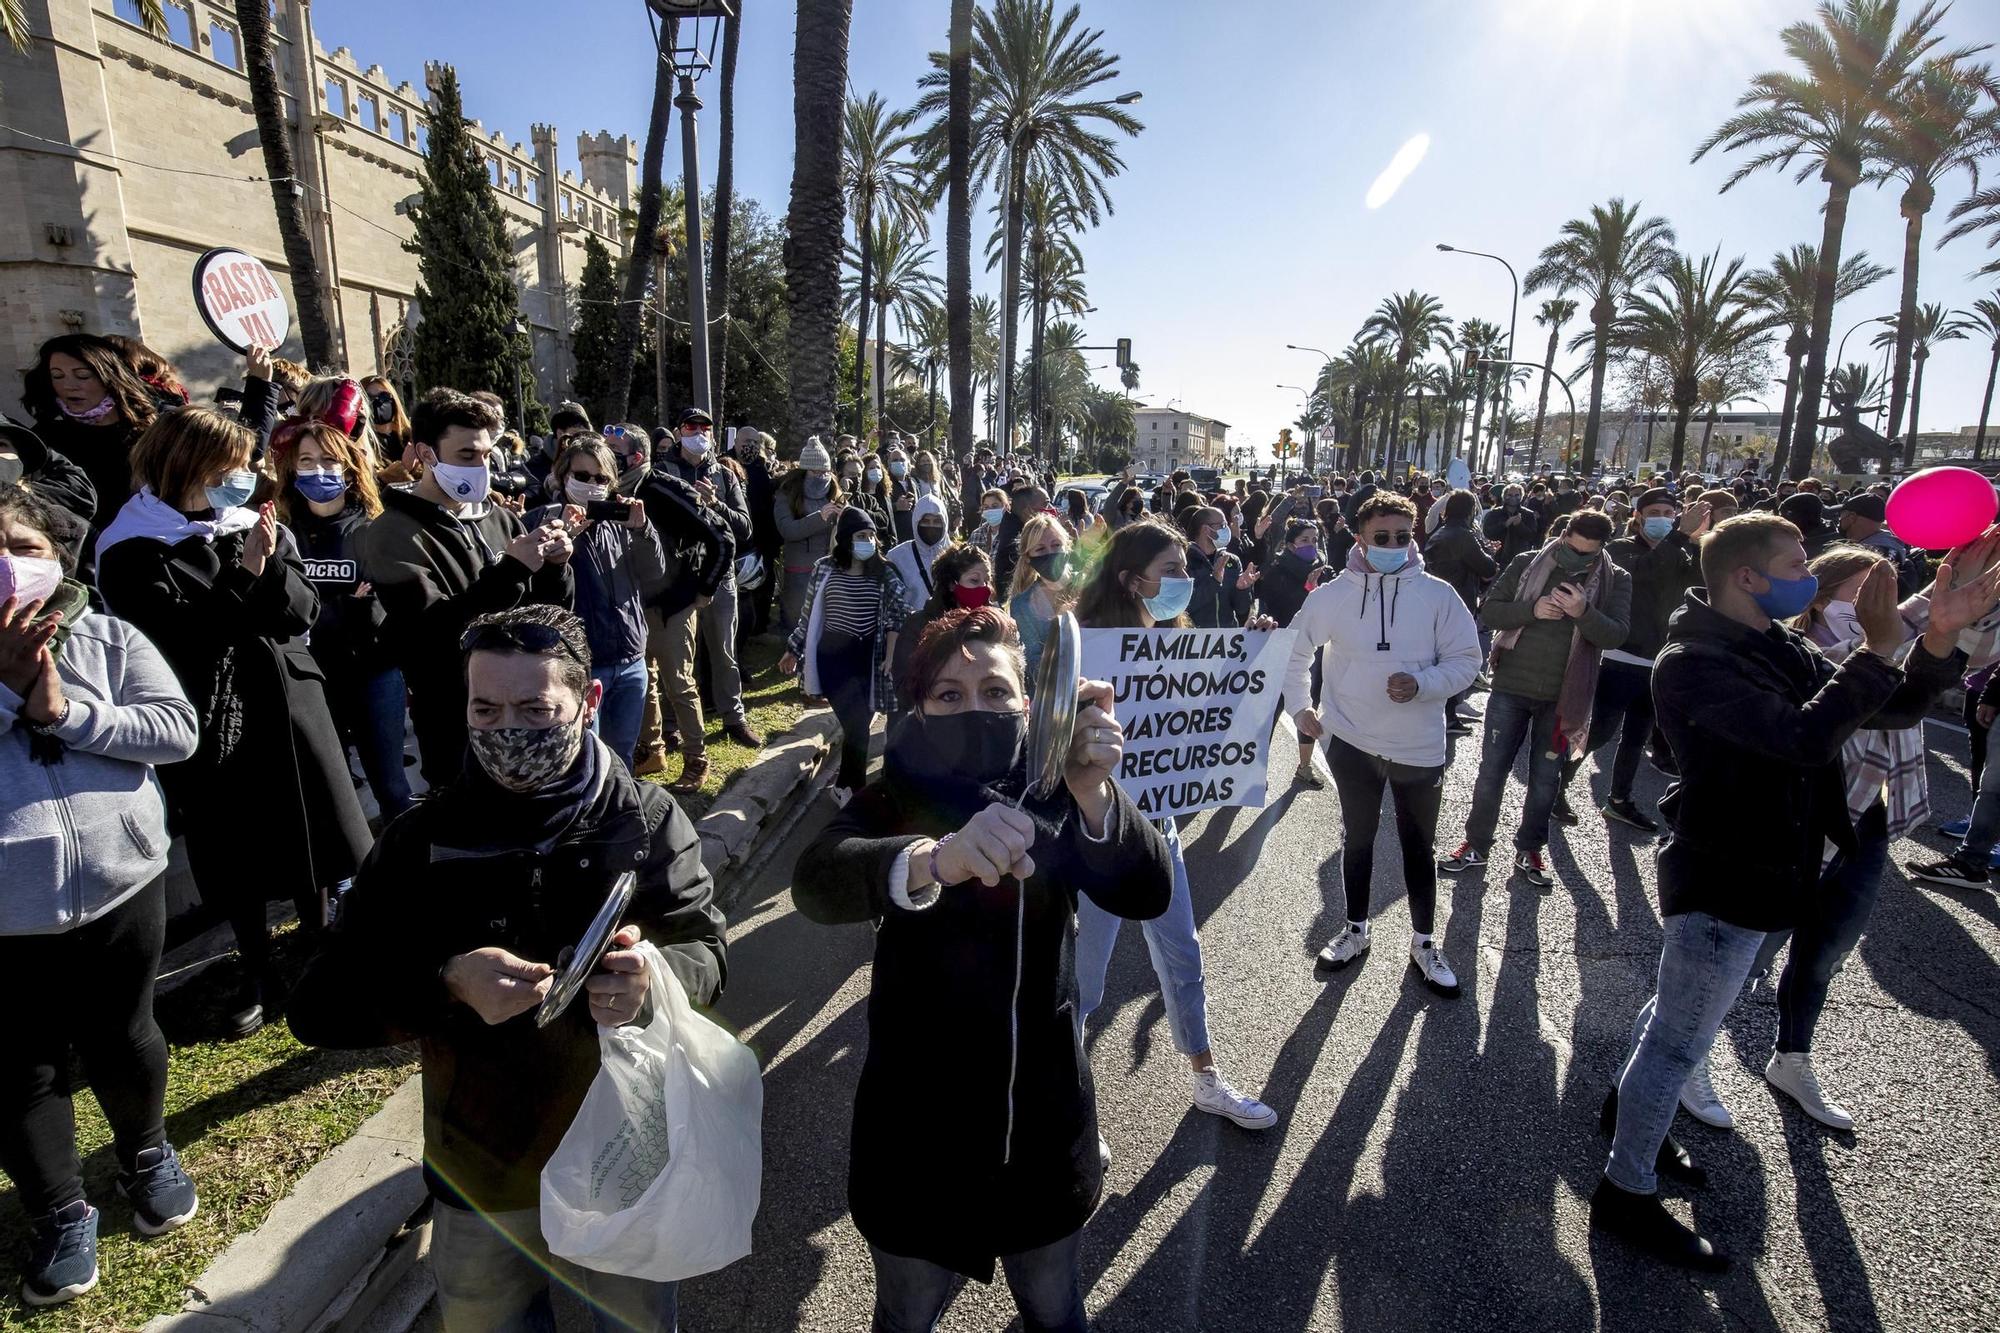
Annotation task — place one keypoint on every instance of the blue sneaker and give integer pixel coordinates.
(161, 1194)
(1956, 828)
(1994, 864)
(62, 1262)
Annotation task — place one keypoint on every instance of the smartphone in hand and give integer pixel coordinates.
(609, 511)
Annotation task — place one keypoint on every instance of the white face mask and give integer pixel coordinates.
(1841, 620)
(28, 578)
(874, 475)
(463, 483)
(696, 446)
(583, 492)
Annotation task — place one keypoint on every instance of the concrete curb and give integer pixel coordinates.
(339, 1251)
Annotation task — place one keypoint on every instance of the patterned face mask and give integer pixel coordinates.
(526, 758)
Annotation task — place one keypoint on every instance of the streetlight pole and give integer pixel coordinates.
(1510, 362)
(690, 63)
(1312, 443)
(1513, 318)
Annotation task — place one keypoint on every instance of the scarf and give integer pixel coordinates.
(146, 515)
(534, 819)
(1881, 765)
(1579, 684)
(105, 407)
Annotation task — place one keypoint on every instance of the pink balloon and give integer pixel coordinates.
(1941, 507)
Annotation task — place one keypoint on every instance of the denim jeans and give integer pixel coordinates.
(1175, 948)
(1984, 830)
(369, 710)
(622, 707)
(1848, 888)
(493, 1272)
(1510, 720)
(911, 1294)
(1704, 962)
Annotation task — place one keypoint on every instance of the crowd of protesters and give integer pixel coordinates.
(196, 600)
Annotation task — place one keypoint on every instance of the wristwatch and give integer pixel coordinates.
(51, 728)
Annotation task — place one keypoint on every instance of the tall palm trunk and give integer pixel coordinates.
(958, 230)
(618, 396)
(725, 203)
(816, 217)
(1542, 403)
(253, 22)
(1986, 404)
(862, 230)
(1683, 412)
(1915, 203)
(1010, 293)
(1602, 312)
(1422, 426)
(1478, 409)
(1916, 402)
(881, 371)
(1795, 350)
(1831, 234)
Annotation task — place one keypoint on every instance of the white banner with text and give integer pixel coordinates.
(1197, 706)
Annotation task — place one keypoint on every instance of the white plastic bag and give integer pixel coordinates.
(659, 1175)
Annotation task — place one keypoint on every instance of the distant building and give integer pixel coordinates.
(1165, 439)
(125, 156)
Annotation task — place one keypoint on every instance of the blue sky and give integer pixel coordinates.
(1242, 222)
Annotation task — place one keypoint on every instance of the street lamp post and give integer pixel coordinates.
(1312, 442)
(1509, 362)
(519, 328)
(1513, 317)
(690, 62)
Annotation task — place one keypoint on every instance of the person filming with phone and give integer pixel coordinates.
(452, 936)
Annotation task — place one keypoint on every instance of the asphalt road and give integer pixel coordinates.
(1435, 1155)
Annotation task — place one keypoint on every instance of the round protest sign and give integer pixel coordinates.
(240, 300)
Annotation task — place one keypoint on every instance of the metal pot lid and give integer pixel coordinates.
(575, 967)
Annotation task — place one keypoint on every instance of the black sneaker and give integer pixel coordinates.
(1642, 1221)
(62, 1259)
(1458, 726)
(1672, 1161)
(1627, 811)
(1467, 857)
(161, 1194)
(1561, 812)
(1531, 867)
(1951, 871)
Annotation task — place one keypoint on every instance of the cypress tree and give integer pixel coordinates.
(467, 286)
(595, 341)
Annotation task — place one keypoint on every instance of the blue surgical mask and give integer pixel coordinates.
(235, 491)
(993, 515)
(1172, 599)
(1785, 598)
(864, 550)
(897, 468)
(1222, 535)
(1387, 559)
(1656, 528)
(320, 487)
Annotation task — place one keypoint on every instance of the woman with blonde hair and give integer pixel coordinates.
(266, 803)
(327, 497)
(1041, 586)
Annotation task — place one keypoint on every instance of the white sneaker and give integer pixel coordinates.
(1699, 1100)
(1213, 1094)
(1791, 1073)
(1429, 961)
(1308, 776)
(1345, 947)
(841, 796)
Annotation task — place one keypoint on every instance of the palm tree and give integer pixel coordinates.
(1941, 121)
(1933, 324)
(1986, 322)
(881, 185)
(900, 281)
(1696, 318)
(958, 224)
(639, 264)
(983, 313)
(1605, 257)
(1786, 290)
(1410, 324)
(1034, 105)
(1555, 312)
(722, 239)
(816, 218)
(1480, 341)
(1833, 114)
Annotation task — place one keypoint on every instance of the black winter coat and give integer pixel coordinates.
(347, 637)
(1756, 722)
(1282, 590)
(1661, 577)
(696, 542)
(105, 455)
(267, 799)
(933, 1173)
(1216, 603)
(1456, 554)
(1514, 538)
(730, 509)
(445, 879)
(760, 491)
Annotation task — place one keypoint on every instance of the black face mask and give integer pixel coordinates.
(973, 746)
(1051, 566)
(383, 409)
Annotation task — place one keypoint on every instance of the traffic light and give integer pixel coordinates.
(1124, 353)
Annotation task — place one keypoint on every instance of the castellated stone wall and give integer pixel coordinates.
(123, 157)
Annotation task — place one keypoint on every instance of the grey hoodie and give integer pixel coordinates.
(80, 836)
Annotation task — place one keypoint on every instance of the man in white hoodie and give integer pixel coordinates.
(1401, 644)
(913, 558)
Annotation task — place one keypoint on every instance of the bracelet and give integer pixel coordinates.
(937, 847)
(51, 727)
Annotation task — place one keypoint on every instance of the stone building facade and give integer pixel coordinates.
(123, 157)
(1166, 438)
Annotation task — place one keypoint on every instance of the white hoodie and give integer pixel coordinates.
(913, 558)
(1429, 634)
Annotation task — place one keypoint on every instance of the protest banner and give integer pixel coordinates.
(1197, 706)
(239, 300)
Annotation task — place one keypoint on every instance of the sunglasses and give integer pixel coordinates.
(589, 478)
(1401, 537)
(542, 640)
